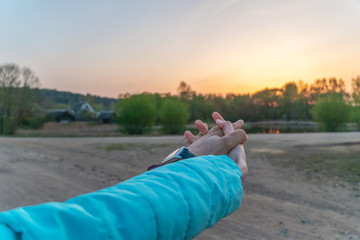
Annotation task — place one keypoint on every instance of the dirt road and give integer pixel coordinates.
(280, 201)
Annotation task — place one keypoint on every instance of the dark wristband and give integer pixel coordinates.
(180, 154)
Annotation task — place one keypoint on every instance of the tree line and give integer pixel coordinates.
(17, 96)
(23, 104)
(325, 101)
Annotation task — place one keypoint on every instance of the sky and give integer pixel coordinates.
(216, 46)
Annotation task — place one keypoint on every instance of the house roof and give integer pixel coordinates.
(58, 113)
(106, 114)
(82, 106)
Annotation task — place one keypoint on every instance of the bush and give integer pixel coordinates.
(136, 113)
(173, 116)
(332, 111)
(34, 122)
(10, 126)
(355, 115)
(85, 116)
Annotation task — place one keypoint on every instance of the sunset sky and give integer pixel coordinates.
(239, 46)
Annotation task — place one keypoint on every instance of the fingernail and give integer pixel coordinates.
(219, 121)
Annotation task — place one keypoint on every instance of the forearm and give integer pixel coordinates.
(8, 234)
(176, 201)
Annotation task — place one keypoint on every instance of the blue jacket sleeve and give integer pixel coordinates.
(176, 201)
(8, 234)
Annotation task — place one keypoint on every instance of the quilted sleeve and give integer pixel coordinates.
(176, 201)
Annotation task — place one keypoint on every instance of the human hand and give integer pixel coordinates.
(216, 143)
(215, 134)
(189, 138)
(237, 154)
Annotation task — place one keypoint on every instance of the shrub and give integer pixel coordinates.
(136, 113)
(355, 115)
(34, 122)
(85, 116)
(10, 126)
(173, 116)
(332, 111)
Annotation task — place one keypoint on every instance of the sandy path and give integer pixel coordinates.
(279, 203)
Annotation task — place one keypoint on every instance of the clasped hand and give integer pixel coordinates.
(225, 138)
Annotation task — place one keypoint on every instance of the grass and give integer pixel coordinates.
(342, 162)
(132, 146)
(30, 135)
(342, 165)
(116, 147)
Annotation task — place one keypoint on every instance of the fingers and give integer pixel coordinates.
(222, 128)
(186, 142)
(203, 127)
(216, 116)
(226, 126)
(238, 155)
(189, 138)
(242, 162)
(235, 138)
(237, 125)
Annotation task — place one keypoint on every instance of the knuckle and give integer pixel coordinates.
(214, 129)
(242, 134)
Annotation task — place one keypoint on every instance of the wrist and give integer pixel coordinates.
(178, 154)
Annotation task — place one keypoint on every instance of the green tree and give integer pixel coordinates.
(91, 100)
(268, 101)
(136, 113)
(173, 116)
(332, 111)
(26, 97)
(240, 107)
(286, 106)
(355, 87)
(61, 106)
(355, 110)
(17, 96)
(355, 115)
(302, 103)
(317, 88)
(324, 86)
(200, 107)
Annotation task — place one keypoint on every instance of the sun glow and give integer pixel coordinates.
(215, 46)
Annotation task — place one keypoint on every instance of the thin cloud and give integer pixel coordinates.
(225, 5)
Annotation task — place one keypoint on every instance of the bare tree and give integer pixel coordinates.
(16, 93)
(185, 91)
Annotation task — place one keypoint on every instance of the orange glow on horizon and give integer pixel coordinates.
(215, 46)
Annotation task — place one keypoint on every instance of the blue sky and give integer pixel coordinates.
(112, 47)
